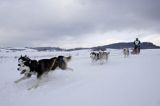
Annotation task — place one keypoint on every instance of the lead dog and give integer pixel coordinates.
(41, 68)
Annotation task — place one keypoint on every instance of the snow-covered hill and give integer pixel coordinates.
(132, 81)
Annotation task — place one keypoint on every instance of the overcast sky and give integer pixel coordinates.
(78, 23)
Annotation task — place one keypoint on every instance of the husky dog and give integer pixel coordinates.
(30, 67)
(101, 56)
(125, 52)
(94, 56)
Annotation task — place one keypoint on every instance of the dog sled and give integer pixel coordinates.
(135, 51)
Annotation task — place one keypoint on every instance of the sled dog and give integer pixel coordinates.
(99, 56)
(40, 68)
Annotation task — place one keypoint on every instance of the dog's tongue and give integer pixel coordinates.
(23, 71)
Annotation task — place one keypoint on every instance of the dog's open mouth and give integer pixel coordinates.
(23, 71)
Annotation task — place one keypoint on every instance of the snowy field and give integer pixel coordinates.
(132, 81)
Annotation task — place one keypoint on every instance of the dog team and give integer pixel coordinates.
(40, 68)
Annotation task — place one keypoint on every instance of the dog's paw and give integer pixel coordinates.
(16, 82)
(33, 87)
(29, 89)
(70, 69)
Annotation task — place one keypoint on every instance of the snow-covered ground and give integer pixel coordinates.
(132, 81)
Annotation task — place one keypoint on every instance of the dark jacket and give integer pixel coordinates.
(137, 44)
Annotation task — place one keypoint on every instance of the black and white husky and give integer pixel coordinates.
(40, 68)
(99, 56)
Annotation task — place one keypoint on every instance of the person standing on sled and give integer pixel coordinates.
(137, 46)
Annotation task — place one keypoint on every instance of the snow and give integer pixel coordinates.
(132, 81)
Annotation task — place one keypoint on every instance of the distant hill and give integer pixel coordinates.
(46, 48)
(144, 45)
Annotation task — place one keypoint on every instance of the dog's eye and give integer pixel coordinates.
(20, 61)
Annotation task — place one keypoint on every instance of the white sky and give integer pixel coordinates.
(78, 23)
